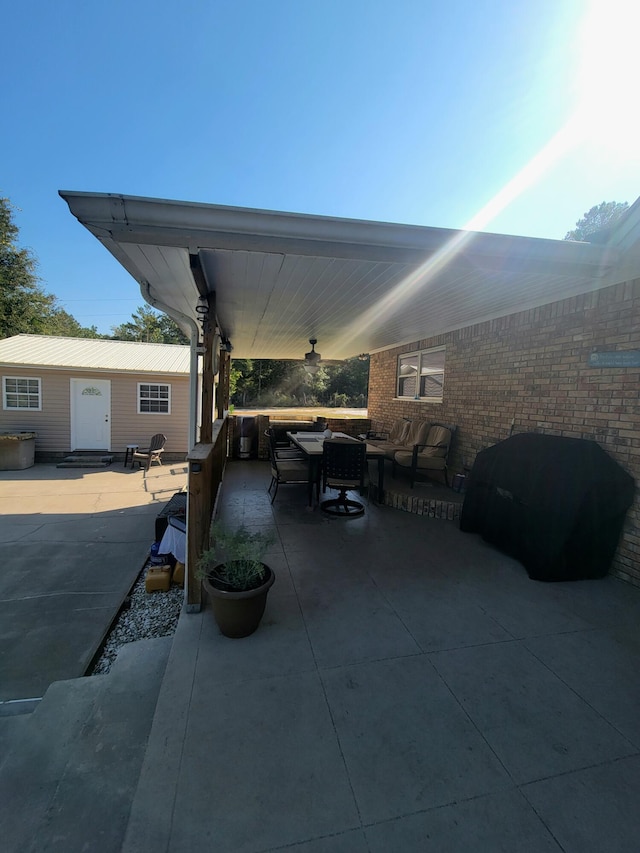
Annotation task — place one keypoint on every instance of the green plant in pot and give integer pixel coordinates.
(235, 578)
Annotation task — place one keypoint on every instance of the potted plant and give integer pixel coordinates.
(235, 578)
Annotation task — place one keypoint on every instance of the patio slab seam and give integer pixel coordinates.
(493, 777)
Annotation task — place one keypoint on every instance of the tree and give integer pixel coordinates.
(601, 217)
(240, 380)
(171, 332)
(149, 326)
(63, 325)
(25, 308)
(350, 380)
(270, 382)
(23, 304)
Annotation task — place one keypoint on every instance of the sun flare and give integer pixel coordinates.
(606, 74)
(605, 116)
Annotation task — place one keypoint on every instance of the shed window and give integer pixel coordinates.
(154, 399)
(21, 393)
(421, 375)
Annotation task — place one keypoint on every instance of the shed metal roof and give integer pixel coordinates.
(91, 354)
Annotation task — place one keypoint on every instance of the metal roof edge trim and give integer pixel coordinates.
(626, 232)
(120, 215)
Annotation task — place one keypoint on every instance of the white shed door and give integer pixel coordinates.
(90, 414)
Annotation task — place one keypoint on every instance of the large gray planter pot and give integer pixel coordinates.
(238, 614)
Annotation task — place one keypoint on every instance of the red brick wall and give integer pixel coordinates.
(532, 368)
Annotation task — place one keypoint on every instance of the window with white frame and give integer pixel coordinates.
(421, 375)
(154, 398)
(18, 392)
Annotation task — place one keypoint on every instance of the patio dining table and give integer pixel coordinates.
(311, 444)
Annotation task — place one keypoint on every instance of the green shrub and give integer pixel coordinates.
(234, 560)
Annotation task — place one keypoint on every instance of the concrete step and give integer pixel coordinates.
(151, 817)
(83, 465)
(14, 717)
(85, 462)
(72, 766)
(11, 728)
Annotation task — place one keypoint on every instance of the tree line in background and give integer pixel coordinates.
(599, 220)
(26, 308)
(269, 383)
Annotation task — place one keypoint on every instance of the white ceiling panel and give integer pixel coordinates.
(356, 286)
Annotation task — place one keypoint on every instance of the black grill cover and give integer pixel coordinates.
(556, 504)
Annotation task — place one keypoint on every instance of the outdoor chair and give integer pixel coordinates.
(395, 435)
(153, 453)
(286, 470)
(344, 467)
(404, 436)
(429, 457)
(282, 449)
(279, 429)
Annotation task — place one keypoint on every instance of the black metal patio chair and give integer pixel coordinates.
(344, 468)
(282, 449)
(286, 469)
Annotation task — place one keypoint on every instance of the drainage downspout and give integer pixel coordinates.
(145, 290)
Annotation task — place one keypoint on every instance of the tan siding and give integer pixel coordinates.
(53, 424)
(532, 368)
(128, 427)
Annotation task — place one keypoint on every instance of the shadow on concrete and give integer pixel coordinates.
(74, 542)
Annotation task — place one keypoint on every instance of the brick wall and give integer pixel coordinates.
(532, 368)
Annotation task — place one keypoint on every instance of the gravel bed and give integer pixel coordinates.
(148, 615)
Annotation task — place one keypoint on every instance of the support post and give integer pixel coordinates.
(206, 423)
(206, 471)
(222, 395)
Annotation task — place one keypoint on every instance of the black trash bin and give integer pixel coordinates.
(246, 437)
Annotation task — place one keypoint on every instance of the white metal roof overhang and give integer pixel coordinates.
(357, 286)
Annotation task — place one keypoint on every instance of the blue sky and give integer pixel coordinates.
(407, 111)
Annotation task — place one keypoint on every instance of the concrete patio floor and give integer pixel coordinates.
(74, 541)
(409, 689)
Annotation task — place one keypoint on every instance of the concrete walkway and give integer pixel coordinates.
(409, 689)
(73, 542)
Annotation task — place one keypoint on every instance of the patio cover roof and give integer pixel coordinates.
(357, 286)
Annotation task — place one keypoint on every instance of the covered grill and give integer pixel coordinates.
(556, 504)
